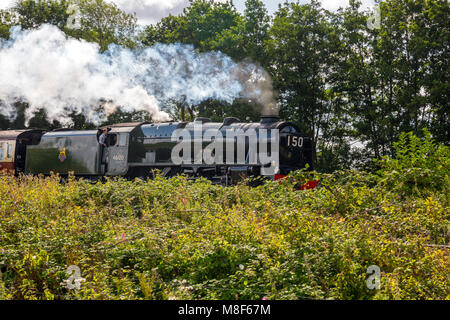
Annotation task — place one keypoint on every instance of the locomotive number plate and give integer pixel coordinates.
(118, 157)
(294, 141)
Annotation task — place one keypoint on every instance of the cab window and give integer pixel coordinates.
(112, 139)
(123, 140)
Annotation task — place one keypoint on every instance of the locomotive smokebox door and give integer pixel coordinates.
(117, 153)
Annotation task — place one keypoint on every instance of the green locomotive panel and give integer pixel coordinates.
(64, 152)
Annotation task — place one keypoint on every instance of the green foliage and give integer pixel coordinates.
(7, 20)
(206, 24)
(204, 20)
(165, 31)
(120, 116)
(40, 120)
(33, 13)
(300, 48)
(4, 123)
(179, 239)
(420, 166)
(103, 22)
(255, 31)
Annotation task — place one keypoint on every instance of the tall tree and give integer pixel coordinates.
(40, 120)
(432, 45)
(100, 21)
(299, 50)
(165, 31)
(354, 79)
(204, 20)
(103, 22)
(120, 116)
(4, 123)
(389, 75)
(206, 24)
(33, 13)
(255, 30)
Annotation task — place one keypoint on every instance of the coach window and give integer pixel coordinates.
(9, 154)
(2, 151)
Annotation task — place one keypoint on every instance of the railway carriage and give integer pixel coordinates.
(13, 148)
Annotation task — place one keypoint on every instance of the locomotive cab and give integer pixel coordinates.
(123, 143)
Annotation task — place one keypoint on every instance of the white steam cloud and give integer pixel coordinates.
(48, 70)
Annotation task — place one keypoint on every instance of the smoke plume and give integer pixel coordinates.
(46, 69)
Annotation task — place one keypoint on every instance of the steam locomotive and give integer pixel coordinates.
(137, 149)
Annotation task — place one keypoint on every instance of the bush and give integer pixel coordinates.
(178, 239)
(420, 166)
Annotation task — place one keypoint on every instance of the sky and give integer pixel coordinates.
(151, 11)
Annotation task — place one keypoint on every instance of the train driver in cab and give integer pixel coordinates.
(103, 139)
